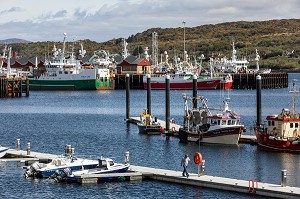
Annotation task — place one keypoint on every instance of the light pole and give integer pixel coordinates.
(183, 40)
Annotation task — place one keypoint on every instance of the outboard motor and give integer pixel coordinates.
(61, 176)
(31, 170)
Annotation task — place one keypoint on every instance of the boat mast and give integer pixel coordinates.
(257, 59)
(64, 48)
(3, 56)
(154, 50)
(184, 52)
(294, 90)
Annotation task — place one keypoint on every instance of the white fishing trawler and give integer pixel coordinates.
(200, 125)
(65, 72)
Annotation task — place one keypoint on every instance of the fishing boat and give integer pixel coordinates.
(41, 170)
(181, 81)
(105, 166)
(281, 131)
(200, 125)
(3, 151)
(65, 72)
(232, 65)
(149, 124)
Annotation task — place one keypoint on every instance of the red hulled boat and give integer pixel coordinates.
(281, 131)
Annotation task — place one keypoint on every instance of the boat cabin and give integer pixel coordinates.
(222, 120)
(283, 126)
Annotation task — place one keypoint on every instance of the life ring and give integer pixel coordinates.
(198, 158)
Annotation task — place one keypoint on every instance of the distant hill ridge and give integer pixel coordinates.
(277, 42)
(13, 41)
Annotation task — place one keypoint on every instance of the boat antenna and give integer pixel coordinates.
(294, 90)
(64, 46)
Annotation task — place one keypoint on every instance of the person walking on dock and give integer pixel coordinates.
(185, 162)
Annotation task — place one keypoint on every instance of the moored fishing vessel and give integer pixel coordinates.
(65, 72)
(148, 124)
(200, 125)
(181, 81)
(281, 131)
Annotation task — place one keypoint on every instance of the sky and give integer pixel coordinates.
(102, 20)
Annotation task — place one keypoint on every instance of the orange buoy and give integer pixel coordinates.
(198, 158)
(287, 144)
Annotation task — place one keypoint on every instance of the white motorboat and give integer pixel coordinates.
(105, 166)
(41, 170)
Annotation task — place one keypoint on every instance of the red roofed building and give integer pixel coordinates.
(133, 65)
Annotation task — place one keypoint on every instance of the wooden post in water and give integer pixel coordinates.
(167, 105)
(149, 94)
(258, 101)
(27, 87)
(127, 97)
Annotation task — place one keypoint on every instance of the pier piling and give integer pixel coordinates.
(195, 92)
(258, 100)
(127, 98)
(167, 104)
(149, 94)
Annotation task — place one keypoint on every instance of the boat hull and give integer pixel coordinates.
(270, 142)
(151, 129)
(185, 85)
(114, 169)
(87, 84)
(3, 151)
(228, 135)
(49, 172)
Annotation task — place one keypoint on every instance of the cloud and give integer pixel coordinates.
(108, 19)
(11, 10)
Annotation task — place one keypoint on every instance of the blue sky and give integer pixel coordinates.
(102, 20)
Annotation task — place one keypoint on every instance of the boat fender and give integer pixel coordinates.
(265, 138)
(198, 158)
(287, 144)
(173, 129)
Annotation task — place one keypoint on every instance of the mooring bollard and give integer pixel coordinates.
(283, 177)
(18, 145)
(127, 157)
(202, 168)
(28, 148)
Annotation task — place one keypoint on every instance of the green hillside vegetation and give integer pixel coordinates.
(277, 42)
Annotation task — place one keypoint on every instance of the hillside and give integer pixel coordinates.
(277, 42)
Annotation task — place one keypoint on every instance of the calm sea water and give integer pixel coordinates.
(93, 123)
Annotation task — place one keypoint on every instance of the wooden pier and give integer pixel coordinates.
(251, 186)
(240, 80)
(14, 86)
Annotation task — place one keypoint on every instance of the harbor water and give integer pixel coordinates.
(93, 123)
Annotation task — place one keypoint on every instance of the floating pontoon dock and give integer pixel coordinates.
(251, 186)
